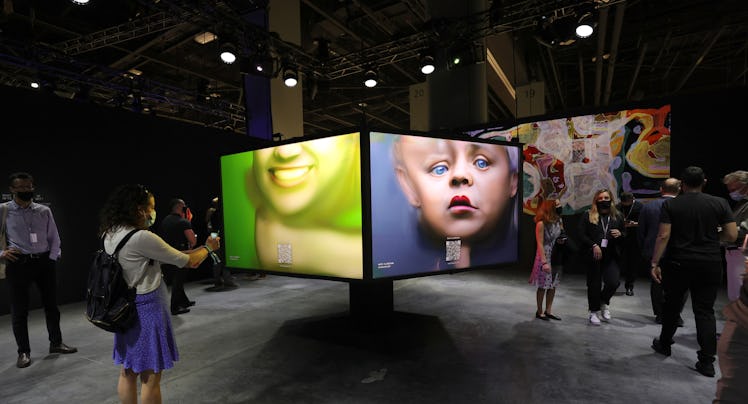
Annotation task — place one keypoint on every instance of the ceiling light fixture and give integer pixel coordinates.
(205, 37)
(370, 79)
(585, 26)
(228, 53)
(427, 64)
(290, 77)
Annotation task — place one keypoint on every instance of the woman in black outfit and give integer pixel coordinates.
(600, 231)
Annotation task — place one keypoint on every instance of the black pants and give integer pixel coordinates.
(656, 295)
(602, 282)
(175, 278)
(20, 275)
(702, 279)
(631, 263)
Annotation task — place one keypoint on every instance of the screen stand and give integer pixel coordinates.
(371, 299)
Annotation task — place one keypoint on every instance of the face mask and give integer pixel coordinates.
(603, 205)
(151, 219)
(735, 195)
(25, 196)
(559, 210)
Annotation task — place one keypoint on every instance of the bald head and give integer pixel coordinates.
(670, 186)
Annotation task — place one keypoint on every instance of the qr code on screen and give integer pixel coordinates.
(453, 250)
(284, 254)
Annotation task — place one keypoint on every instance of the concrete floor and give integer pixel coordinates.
(463, 338)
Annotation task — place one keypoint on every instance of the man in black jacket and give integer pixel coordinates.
(631, 262)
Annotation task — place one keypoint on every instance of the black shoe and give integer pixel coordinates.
(660, 348)
(62, 348)
(552, 317)
(179, 310)
(541, 316)
(629, 291)
(191, 303)
(705, 368)
(24, 360)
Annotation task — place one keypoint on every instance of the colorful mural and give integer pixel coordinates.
(571, 158)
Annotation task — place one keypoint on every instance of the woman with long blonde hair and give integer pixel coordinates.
(600, 231)
(546, 274)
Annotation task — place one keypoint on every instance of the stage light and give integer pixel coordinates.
(370, 79)
(290, 77)
(80, 2)
(585, 26)
(228, 53)
(427, 64)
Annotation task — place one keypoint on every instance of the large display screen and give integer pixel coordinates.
(442, 204)
(295, 208)
(624, 151)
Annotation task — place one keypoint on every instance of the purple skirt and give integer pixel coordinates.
(150, 344)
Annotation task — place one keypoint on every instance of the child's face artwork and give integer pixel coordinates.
(461, 188)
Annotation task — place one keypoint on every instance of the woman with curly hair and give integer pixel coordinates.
(148, 347)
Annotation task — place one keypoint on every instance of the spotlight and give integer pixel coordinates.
(427, 64)
(290, 77)
(370, 79)
(80, 2)
(34, 84)
(228, 53)
(585, 26)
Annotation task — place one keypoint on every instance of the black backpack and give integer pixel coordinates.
(110, 303)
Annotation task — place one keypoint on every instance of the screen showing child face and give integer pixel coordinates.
(440, 204)
(461, 188)
(295, 208)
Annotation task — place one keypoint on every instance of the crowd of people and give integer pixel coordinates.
(684, 237)
(688, 240)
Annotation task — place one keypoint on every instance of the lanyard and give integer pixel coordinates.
(605, 226)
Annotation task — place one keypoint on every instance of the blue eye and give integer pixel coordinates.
(481, 163)
(439, 170)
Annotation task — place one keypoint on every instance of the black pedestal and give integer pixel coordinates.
(371, 299)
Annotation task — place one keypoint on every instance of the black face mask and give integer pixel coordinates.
(603, 205)
(25, 196)
(559, 210)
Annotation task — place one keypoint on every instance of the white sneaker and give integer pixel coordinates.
(606, 313)
(594, 320)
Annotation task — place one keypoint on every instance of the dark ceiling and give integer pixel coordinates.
(641, 50)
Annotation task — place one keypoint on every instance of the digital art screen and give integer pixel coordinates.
(295, 208)
(624, 151)
(441, 204)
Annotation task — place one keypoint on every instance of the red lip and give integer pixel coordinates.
(461, 200)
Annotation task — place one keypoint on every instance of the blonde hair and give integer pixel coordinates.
(594, 214)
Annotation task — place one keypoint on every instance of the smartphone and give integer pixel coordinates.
(214, 235)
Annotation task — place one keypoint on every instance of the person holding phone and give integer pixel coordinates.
(177, 231)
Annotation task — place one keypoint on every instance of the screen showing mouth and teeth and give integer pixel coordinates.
(442, 204)
(295, 208)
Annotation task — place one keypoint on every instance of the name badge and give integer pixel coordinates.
(603, 243)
